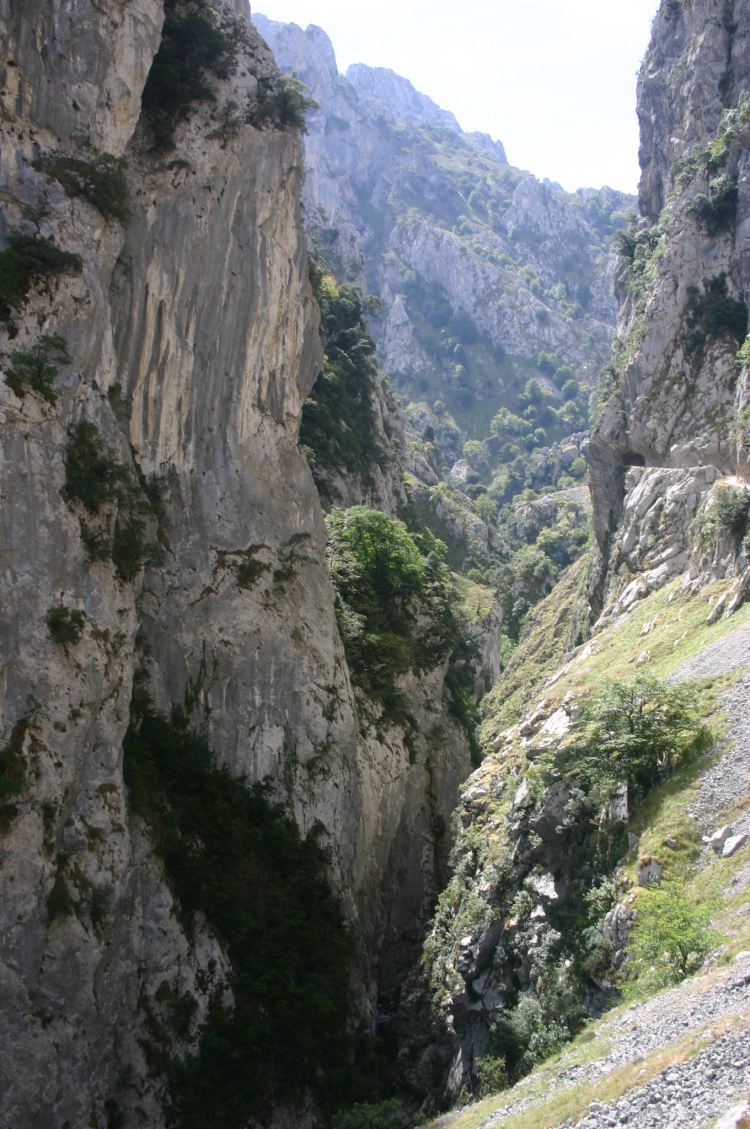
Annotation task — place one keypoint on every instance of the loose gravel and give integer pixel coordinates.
(727, 780)
(686, 1095)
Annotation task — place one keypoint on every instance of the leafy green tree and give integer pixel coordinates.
(382, 547)
(395, 600)
(338, 419)
(474, 452)
(671, 937)
(505, 424)
(637, 731)
(532, 393)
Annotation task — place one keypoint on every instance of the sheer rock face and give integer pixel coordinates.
(696, 66)
(676, 410)
(193, 337)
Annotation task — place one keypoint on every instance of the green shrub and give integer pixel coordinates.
(338, 420)
(249, 571)
(492, 1075)
(638, 732)
(368, 1115)
(281, 101)
(130, 548)
(35, 370)
(235, 858)
(193, 47)
(100, 483)
(101, 181)
(731, 510)
(727, 514)
(671, 937)
(29, 259)
(12, 772)
(711, 315)
(385, 552)
(65, 626)
(743, 353)
(395, 601)
(717, 211)
(92, 476)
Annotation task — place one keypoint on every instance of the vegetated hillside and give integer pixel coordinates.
(488, 278)
(475, 317)
(232, 738)
(603, 843)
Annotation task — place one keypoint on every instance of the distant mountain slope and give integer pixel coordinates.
(488, 277)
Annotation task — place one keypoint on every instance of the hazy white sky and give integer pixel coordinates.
(554, 80)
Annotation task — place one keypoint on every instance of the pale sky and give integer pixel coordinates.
(554, 80)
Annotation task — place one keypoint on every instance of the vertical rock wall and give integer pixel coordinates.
(192, 339)
(676, 386)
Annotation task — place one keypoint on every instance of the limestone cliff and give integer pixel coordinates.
(162, 532)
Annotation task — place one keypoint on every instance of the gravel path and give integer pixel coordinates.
(725, 654)
(727, 779)
(686, 1095)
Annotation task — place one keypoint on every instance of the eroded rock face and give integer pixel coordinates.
(192, 336)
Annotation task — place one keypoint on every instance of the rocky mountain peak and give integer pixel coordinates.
(383, 88)
(308, 51)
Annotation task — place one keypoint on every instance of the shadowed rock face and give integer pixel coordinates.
(679, 392)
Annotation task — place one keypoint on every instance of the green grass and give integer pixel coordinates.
(680, 631)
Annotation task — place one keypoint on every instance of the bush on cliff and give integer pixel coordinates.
(193, 48)
(395, 600)
(26, 260)
(637, 732)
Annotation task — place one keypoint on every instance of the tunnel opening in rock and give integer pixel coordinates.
(632, 458)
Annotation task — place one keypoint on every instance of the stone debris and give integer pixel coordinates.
(734, 844)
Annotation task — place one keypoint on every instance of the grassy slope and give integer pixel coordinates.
(662, 632)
